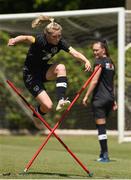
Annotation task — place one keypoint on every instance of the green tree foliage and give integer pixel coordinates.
(56, 5)
(15, 6)
(11, 63)
(128, 64)
(11, 60)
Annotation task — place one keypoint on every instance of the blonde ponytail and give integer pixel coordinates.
(51, 27)
(39, 20)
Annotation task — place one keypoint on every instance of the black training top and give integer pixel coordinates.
(40, 52)
(104, 88)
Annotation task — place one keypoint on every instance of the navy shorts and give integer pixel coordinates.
(101, 109)
(35, 82)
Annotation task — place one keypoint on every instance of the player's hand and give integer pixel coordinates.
(11, 42)
(84, 101)
(115, 107)
(87, 66)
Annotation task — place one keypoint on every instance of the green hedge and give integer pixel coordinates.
(11, 63)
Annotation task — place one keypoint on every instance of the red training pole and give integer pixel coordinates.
(72, 103)
(47, 125)
(52, 130)
(60, 120)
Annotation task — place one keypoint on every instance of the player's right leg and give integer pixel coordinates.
(44, 101)
(34, 83)
(100, 120)
(45, 105)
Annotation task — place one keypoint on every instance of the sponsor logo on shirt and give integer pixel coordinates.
(109, 66)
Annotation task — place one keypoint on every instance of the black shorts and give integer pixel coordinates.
(101, 109)
(34, 82)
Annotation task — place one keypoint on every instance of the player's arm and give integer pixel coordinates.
(93, 84)
(115, 106)
(80, 57)
(21, 38)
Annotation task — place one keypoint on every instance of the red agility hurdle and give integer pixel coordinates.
(57, 124)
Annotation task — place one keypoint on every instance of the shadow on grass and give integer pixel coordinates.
(111, 160)
(52, 174)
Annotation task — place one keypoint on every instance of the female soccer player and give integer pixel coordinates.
(37, 70)
(103, 94)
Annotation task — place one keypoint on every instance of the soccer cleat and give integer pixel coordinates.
(62, 104)
(103, 157)
(100, 157)
(103, 160)
(37, 122)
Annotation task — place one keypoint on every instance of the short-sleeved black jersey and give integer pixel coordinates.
(104, 89)
(41, 52)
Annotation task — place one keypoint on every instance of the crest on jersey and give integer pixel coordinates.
(54, 50)
(36, 88)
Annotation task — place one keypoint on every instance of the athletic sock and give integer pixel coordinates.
(102, 137)
(37, 109)
(42, 113)
(61, 86)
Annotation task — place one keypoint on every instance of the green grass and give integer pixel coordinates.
(54, 162)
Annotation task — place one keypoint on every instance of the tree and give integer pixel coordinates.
(15, 6)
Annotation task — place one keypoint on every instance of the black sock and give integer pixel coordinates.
(102, 137)
(61, 86)
(40, 112)
(37, 109)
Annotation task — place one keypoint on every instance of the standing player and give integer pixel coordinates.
(37, 70)
(103, 94)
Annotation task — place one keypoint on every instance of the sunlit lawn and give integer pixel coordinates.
(56, 163)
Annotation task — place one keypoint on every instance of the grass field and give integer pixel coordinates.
(54, 162)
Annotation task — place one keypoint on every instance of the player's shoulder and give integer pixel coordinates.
(99, 61)
(40, 39)
(62, 40)
(103, 60)
(63, 44)
(39, 36)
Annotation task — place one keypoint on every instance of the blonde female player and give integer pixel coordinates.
(37, 70)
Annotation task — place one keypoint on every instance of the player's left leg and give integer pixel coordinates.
(58, 72)
(102, 137)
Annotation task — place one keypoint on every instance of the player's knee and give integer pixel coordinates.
(61, 68)
(46, 108)
(50, 106)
